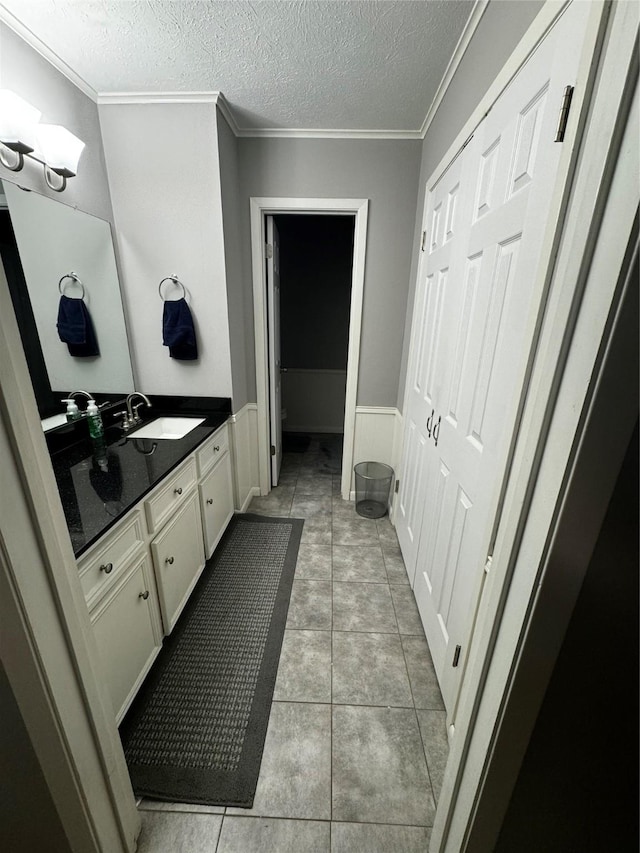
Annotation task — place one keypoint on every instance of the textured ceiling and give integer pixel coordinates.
(360, 65)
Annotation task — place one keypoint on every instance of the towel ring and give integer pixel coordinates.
(74, 278)
(175, 280)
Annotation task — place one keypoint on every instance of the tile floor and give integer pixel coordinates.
(356, 744)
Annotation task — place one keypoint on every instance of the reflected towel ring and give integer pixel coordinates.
(175, 280)
(74, 278)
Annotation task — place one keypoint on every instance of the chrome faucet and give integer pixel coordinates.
(75, 394)
(131, 417)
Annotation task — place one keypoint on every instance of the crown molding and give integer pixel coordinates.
(218, 98)
(6, 17)
(227, 112)
(327, 133)
(460, 49)
(159, 97)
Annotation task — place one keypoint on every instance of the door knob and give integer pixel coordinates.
(209, 500)
(106, 568)
(177, 491)
(144, 595)
(436, 431)
(169, 560)
(430, 422)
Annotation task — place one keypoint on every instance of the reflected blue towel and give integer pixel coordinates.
(178, 332)
(75, 327)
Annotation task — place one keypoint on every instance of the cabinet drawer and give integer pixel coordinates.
(164, 502)
(128, 634)
(213, 449)
(101, 566)
(178, 559)
(216, 499)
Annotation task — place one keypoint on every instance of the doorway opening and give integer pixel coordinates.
(309, 270)
(268, 380)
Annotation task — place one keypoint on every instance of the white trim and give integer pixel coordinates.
(159, 97)
(259, 207)
(459, 51)
(6, 17)
(327, 133)
(550, 431)
(253, 493)
(48, 648)
(376, 410)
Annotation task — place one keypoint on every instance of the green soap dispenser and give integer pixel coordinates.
(94, 419)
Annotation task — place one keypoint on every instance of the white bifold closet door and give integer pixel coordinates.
(477, 299)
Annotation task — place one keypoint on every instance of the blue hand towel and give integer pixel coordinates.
(75, 327)
(178, 332)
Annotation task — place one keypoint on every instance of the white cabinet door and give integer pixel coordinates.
(178, 558)
(127, 629)
(216, 500)
(477, 302)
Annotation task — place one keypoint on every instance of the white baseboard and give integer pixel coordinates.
(253, 492)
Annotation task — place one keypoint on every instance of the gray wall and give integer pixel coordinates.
(386, 173)
(496, 37)
(29, 75)
(164, 174)
(237, 304)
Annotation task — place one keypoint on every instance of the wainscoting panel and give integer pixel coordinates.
(244, 455)
(378, 438)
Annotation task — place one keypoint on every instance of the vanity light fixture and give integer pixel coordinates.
(21, 134)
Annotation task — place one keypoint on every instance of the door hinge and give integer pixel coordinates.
(423, 242)
(397, 489)
(273, 450)
(456, 655)
(268, 251)
(487, 565)
(565, 106)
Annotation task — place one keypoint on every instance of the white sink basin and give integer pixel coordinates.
(167, 428)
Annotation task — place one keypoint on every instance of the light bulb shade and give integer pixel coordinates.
(59, 149)
(18, 122)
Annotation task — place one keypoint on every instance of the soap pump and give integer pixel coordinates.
(72, 409)
(94, 420)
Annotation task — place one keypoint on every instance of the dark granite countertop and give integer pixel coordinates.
(99, 484)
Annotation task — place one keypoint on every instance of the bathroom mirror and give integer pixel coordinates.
(51, 240)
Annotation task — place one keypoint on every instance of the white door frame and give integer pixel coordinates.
(312, 206)
(47, 645)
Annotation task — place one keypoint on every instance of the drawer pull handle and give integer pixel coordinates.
(106, 568)
(169, 560)
(177, 491)
(209, 500)
(144, 595)
(216, 448)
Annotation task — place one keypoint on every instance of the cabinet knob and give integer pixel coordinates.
(177, 491)
(144, 595)
(169, 560)
(209, 500)
(216, 448)
(106, 568)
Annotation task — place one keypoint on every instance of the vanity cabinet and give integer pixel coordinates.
(178, 559)
(138, 577)
(128, 633)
